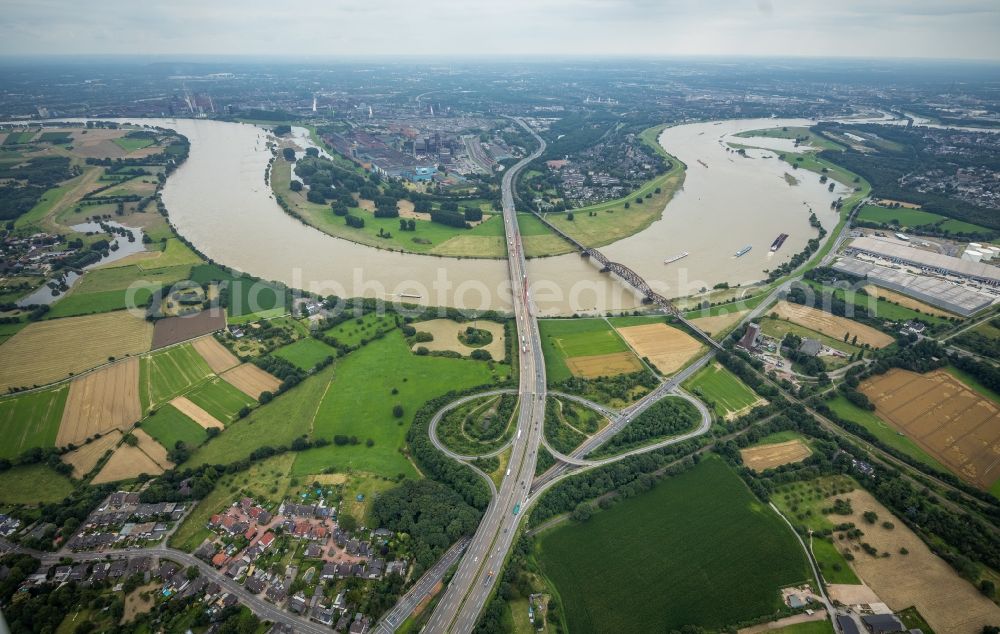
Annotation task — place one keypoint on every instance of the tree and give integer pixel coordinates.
(289, 154)
(192, 573)
(397, 411)
(295, 186)
(347, 522)
(987, 588)
(131, 440)
(583, 512)
(870, 516)
(265, 397)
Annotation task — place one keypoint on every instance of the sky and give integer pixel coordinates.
(952, 29)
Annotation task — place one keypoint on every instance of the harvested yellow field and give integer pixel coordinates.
(947, 419)
(84, 459)
(126, 463)
(251, 380)
(216, 355)
(903, 300)
(596, 365)
(48, 351)
(718, 323)
(195, 413)
(153, 449)
(774, 455)
(667, 348)
(100, 401)
(446, 333)
(948, 602)
(831, 325)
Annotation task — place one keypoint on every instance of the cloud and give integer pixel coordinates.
(896, 28)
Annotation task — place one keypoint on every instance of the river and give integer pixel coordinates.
(218, 200)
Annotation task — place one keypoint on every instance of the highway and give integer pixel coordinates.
(459, 607)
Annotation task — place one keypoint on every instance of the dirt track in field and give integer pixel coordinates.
(84, 459)
(667, 348)
(948, 602)
(596, 365)
(769, 456)
(216, 355)
(251, 380)
(831, 325)
(195, 413)
(127, 462)
(945, 418)
(47, 351)
(100, 401)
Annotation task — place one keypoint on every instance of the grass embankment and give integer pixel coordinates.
(696, 549)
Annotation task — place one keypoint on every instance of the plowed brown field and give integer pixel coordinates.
(667, 348)
(177, 329)
(944, 417)
(47, 351)
(216, 355)
(611, 364)
(100, 401)
(251, 380)
(769, 456)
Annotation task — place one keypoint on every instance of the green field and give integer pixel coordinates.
(15, 138)
(55, 137)
(33, 484)
(31, 420)
(721, 389)
(360, 402)
(277, 423)
(566, 338)
(815, 140)
(100, 302)
(168, 373)
(803, 503)
(490, 428)
(696, 549)
(220, 399)
(131, 144)
(247, 299)
(810, 627)
(881, 430)
(353, 331)
(267, 480)
(305, 353)
(168, 426)
(915, 218)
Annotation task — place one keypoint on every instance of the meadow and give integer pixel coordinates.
(720, 388)
(31, 420)
(566, 338)
(915, 218)
(353, 331)
(277, 423)
(131, 144)
(170, 426)
(168, 373)
(305, 353)
(33, 484)
(360, 403)
(220, 399)
(696, 549)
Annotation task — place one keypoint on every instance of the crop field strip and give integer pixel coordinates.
(251, 380)
(216, 355)
(667, 348)
(577, 344)
(168, 373)
(950, 421)
(48, 351)
(769, 456)
(31, 420)
(681, 539)
(727, 395)
(84, 459)
(100, 401)
(220, 399)
(831, 325)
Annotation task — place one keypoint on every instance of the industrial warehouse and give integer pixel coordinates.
(935, 291)
(925, 260)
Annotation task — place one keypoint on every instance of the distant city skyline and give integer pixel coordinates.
(960, 29)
